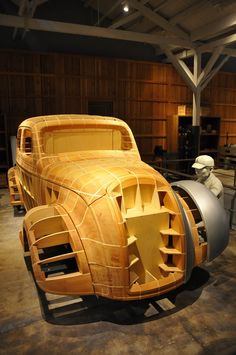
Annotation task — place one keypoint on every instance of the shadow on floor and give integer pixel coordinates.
(68, 310)
(19, 211)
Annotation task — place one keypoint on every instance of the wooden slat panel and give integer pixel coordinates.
(144, 94)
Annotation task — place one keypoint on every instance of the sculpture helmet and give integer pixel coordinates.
(203, 161)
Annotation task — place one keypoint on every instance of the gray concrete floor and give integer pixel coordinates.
(198, 318)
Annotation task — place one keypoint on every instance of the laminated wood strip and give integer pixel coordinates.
(166, 250)
(53, 239)
(171, 268)
(59, 257)
(169, 231)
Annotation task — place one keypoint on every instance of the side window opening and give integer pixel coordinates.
(18, 139)
(27, 141)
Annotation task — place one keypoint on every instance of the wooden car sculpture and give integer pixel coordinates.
(99, 220)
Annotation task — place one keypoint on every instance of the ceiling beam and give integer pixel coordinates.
(157, 19)
(211, 62)
(111, 9)
(213, 72)
(230, 52)
(127, 18)
(135, 15)
(187, 53)
(180, 67)
(83, 30)
(211, 29)
(192, 9)
(190, 52)
(26, 8)
(219, 42)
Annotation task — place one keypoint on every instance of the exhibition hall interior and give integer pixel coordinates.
(118, 176)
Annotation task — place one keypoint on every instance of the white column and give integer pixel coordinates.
(197, 92)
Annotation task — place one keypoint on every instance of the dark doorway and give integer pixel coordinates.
(102, 108)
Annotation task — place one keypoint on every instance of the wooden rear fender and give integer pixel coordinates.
(14, 188)
(58, 259)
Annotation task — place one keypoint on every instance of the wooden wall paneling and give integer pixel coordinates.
(217, 110)
(180, 94)
(88, 87)
(206, 96)
(229, 111)
(116, 90)
(60, 94)
(105, 68)
(172, 136)
(123, 70)
(15, 62)
(104, 88)
(159, 141)
(134, 108)
(145, 147)
(159, 127)
(32, 85)
(59, 68)
(32, 63)
(141, 92)
(141, 127)
(73, 105)
(72, 65)
(146, 109)
(48, 94)
(4, 59)
(160, 91)
(231, 96)
(160, 73)
(133, 90)
(121, 90)
(121, 109)
(228, 128)
(143, 71)
(72, 86)
(48, 105)
(17, 86)
(159, 109)
(87, 66)
(171, 109)
(47, 63)
(33, 90)
(173, 76)
(4, 94)
(132, 70)
(17, 106)
(230, 80)
(4, 104)
(33, 106)
(48, 86)
(33, 95)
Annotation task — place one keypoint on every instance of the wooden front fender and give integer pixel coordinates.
(58, 259)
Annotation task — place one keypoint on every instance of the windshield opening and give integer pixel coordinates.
(71, 139)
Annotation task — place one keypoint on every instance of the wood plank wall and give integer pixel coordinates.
(146, 95)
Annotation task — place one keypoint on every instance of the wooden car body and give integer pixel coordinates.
(99, 220)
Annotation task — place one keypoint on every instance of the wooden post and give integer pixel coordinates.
(196, 102)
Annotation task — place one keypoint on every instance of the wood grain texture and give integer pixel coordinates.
(99, 219)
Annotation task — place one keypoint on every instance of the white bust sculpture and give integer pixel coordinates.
(204, 165)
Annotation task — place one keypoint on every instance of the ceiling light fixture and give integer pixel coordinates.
(126, 7)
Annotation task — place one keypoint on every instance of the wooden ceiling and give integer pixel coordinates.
(177, 29)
